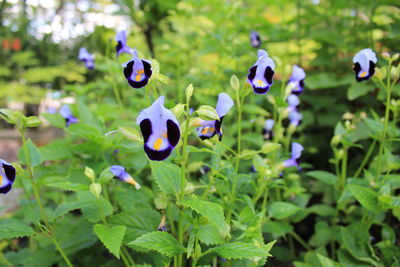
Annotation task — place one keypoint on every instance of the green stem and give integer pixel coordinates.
(386, 122)
(183, 178)
(114, 84)
(61, 251)
(300, 240)
(366, 158)
(343, 175)
(239, 134)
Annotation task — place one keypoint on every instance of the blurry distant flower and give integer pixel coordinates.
(208, 129)
(255, 39)
(297, 80)
(7, 176)
(121, 46)
(160, 130)
(295, 117)
(120, 173)
(52, 110)
(293, 101)
(67, 114)
(260, 75)
(162, 226)
(267, 130)
(364, 64)
(137, 71)
(294, 159)
(87, 58)
(16, 44)
(315, 2)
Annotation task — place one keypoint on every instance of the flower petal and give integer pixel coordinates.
(224, 104)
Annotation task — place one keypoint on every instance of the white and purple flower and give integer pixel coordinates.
(297, 80)
(261, 73)
(255, 40)
(68, 116)
(207, 129)
(121, 46)
(294, 158)
(120, 173)
(364, 64)
(160, 130)
(87, 58)
(267, 130)
(137, 71)
(7, 176)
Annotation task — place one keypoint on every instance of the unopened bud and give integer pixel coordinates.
(234, 82)
(189, 91)
(336, 140)
(386, 55)
(89, 173)
(95, 189)
(178, 110)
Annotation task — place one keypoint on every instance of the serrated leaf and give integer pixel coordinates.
(357, 90)
(209, 235)
(212, 211)
(111, 237)
(366, 197)
(323, 176)
(13, 229)
(35, 155)
(238, 250)
(327, 262)
(281, 210)
(66, 207)
(162, 242)
(70, 186)
(167, 176)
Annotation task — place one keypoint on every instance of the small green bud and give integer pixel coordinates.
(161, 202)
(336, 140)
(207, 113)
(189, 91)
(95, 189)
(394, 71)
(386, 55)
(379, 74)
(395, 57)
(235, 82)
(89, 173)
(178, 109)
(340, 154)
(131, 133)
(32, 121)
(270, 147)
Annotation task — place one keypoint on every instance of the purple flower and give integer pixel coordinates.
(364, 64)
(120, 173)
(87, 58)
(207, 129)
(295, 117)
(121, 46)
(255, 40)
(294, 159)
(267, 130)
(7, 176)
(297, 80)
(260, 74)
(137, 71)
(67, 114)
(160, 130)
(293, 101)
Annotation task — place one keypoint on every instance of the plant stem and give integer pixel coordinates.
(114, 85)
(343, 175)
(183, 178)
(386, 122)
(366, 158)
(239, 133)
(300, 240)
(63, 255)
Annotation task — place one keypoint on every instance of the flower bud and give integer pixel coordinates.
(189, 91)
(178, 110)
(395, 57)
(386, 55)
(394, 71)
(89, 173)
(336, 140)
(235, 82)
(95, 189)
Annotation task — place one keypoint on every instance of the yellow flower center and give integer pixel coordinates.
(139, 74)
(362, 75)
(157, 144)
(260, 83)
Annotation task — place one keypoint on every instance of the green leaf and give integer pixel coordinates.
(209, 235)
(277, 229)
(327, 262)
(323, 176)
(162, 242)
(366, 197)
(55, 120)
(212, 211)
(35, 155)
(375, 126)
(238, 250)
(282, 210)
(13, 229)
(167, 176)
(359, 89)
(9, 115)
(190, 244)
(86, 131)
(111, 237)
(69, 186)
(32, 121)
(207, 113)
(66, 207)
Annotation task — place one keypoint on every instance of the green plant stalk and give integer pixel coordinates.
(37, 197)
(366, 158)
(301, 241)
(183, 178)
(114, 85)
(386, 122)
(343, 175)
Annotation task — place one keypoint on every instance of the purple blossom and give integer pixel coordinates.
(137, 71)
(297, 80)
(120, 173)
(7, 176)
(255, 40)
(294, 158)
(121, 46)
(160, 130)
(261, 73)
(268, 129)
(87, 58)
(364, 64)
(67, 114)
